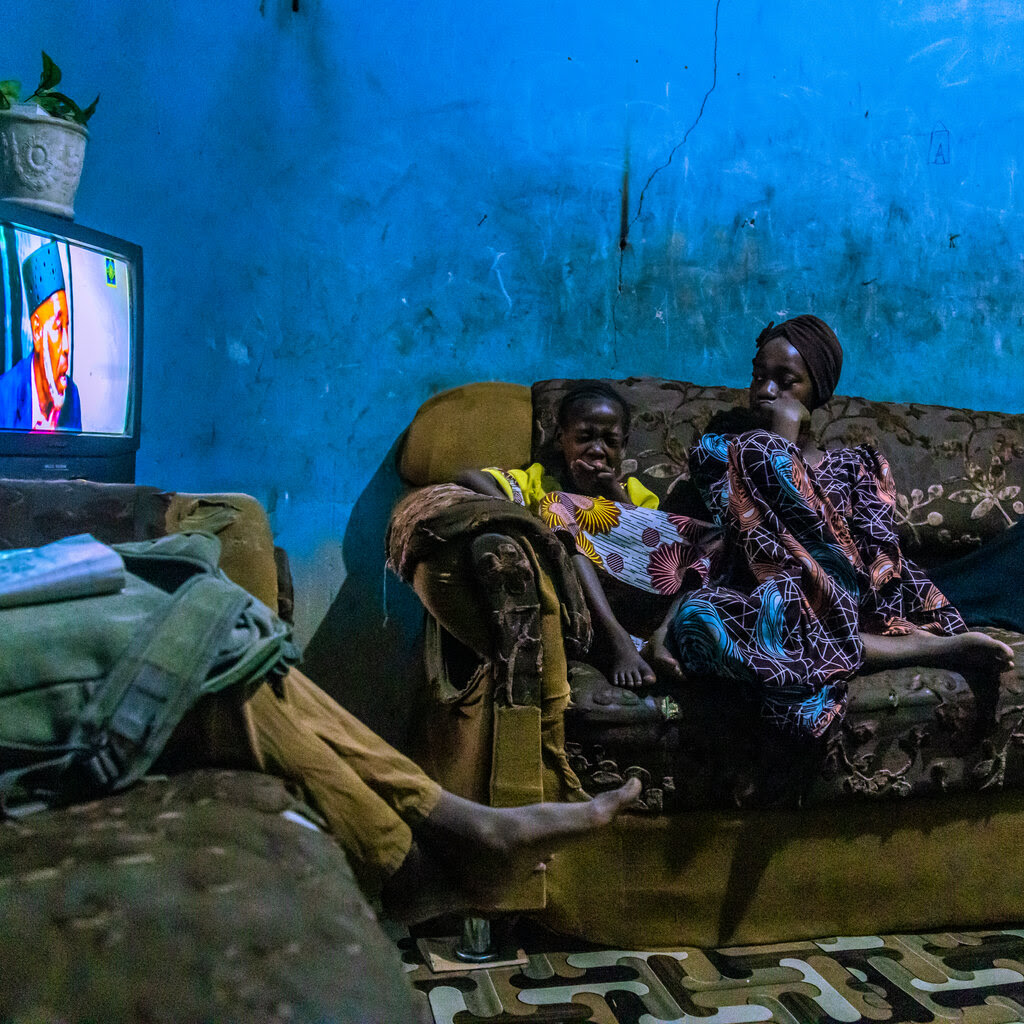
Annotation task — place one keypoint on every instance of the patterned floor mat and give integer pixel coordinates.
(968, 977)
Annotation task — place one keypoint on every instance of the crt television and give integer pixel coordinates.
(70, 349)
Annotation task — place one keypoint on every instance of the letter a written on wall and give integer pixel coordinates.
(938, 144)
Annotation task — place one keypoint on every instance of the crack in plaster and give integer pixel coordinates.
(657, 170)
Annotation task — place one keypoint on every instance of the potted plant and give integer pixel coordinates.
(42, 144)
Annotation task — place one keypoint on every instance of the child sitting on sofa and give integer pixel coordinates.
(593, 429)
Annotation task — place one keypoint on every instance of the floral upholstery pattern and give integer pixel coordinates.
(908, 732)
(960, 473)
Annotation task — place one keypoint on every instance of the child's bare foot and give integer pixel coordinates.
(627, 668)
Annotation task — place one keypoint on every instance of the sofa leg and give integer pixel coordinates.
(477, 948)
(475, 945)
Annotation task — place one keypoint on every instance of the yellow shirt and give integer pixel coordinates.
(528, 486)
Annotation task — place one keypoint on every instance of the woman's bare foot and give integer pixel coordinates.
(657, 655)
(979, 652)
(978, 657)
(973, 652)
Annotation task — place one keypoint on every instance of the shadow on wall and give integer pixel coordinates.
(367, 651)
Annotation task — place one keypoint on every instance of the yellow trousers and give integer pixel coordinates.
(367, 791)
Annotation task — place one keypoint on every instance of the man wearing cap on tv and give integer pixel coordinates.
(37, 393)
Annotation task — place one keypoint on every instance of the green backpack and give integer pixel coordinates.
(92, 688)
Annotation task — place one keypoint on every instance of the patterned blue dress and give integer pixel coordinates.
(812, 559)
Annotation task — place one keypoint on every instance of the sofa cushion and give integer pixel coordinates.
(200, 897)
(959, 473)
(908, 732)
(482, 424)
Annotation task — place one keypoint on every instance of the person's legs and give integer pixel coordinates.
(463, 850)
(396, 779)
(371, 831)
(419, 845)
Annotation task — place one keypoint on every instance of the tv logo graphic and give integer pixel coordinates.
(111, 273)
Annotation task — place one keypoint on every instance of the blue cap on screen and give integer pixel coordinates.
(43, 275)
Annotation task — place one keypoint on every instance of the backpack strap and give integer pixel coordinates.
(161, 675)
(206, 635)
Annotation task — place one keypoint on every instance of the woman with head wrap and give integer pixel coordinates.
(814, 585)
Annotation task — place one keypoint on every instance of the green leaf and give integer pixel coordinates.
(10, 90)
(50, 103)
(46, 102)
(90, 110)
(69, 109)
(50, 76)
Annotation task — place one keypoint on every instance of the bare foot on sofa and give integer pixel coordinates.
(657, 655)
(463, 849)
(979, 652)
(979, 658)
(975, 653)
(626, 667)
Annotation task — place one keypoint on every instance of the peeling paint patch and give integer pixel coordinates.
(238, 352)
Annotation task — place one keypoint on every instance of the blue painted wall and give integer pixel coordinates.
(348, 207)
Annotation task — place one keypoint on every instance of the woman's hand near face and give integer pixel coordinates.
(786, 417)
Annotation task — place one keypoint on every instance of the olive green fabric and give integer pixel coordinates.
(483, 424)
(90, 689)
(198, 898)
(718, 878)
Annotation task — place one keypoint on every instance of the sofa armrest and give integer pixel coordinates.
(247, 545)
(34, 512)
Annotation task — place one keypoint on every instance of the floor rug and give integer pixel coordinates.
(969, 977)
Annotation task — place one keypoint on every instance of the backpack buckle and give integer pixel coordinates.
(103, 765)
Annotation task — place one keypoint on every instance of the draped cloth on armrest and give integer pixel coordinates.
(430, 517)
(984, 585)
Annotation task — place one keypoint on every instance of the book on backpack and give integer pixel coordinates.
(78, 566)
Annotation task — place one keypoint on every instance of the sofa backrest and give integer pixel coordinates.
(34, 512)
(486, 423)
(959, 473)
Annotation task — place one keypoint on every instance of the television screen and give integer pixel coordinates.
(70, 349)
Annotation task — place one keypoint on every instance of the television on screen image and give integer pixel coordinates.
(70, 349)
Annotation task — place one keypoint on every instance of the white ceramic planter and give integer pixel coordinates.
(40, 159)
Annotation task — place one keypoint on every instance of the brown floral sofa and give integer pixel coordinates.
(913, 821)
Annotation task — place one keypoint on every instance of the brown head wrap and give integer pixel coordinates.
(818, 347)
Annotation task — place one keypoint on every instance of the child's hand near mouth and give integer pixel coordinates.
(598, 476)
